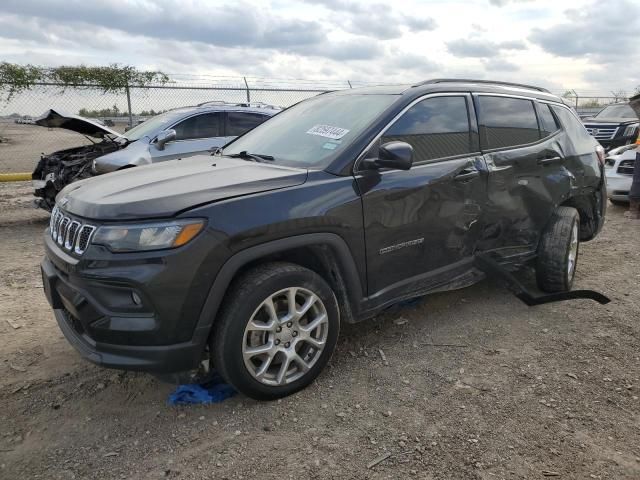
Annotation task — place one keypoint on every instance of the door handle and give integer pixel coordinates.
(467, 174)
(546, 160)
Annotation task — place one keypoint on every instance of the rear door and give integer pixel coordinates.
(194, 135)
(525, 159)
(422, 225)
(238, 123)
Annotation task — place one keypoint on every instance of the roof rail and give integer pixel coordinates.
(238, 104)
(488, 82)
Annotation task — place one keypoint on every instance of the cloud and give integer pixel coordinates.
(502, 3)
(354, 49)
(481, 48)
(499, 65)
(418, 24)
(237, 25)
(603, 31)
(374, 20)
(415, 63)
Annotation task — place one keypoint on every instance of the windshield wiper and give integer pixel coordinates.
(254, 157)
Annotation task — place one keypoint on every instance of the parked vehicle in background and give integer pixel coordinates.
(337, 208)
(26, 120)
(619, 166)
(178, 133)
(614, 126)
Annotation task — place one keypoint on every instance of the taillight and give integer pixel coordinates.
(600, 153)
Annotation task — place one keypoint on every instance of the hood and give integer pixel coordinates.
(167, 188)
(616, 121)
(59, 119)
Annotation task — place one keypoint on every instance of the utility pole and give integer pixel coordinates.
(129, 105)
(247, 85)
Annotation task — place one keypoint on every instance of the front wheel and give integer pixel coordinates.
(276, 332)
(558, 251)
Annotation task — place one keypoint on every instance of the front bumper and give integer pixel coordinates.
(94, 308)
(618, 186)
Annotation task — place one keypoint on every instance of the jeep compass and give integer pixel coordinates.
(327, 213)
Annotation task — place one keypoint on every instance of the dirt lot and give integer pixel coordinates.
(475, 385)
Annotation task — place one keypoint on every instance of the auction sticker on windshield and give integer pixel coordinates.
(328, 131)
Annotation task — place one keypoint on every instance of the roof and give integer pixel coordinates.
(257, 107)
(456, 85)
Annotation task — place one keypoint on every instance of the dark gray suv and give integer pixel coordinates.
(330, 212)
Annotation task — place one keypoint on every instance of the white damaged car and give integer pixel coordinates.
(177, 133)
(619, 165)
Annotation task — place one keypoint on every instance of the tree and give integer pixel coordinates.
(16, 78)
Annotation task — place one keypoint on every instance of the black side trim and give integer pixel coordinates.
(493, 269)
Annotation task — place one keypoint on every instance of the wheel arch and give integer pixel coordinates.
(591, 207)
(327, 254)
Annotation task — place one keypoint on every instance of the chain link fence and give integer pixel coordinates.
(22, 142)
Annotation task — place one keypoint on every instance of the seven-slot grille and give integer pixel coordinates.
(69, 233)
(602, 132)
(626, 167)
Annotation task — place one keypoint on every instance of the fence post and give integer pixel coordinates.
(247, 85)
(129, 106)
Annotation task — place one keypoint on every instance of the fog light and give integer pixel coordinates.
(136, 298)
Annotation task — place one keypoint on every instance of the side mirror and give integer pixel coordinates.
(164, 137)
(396, 155)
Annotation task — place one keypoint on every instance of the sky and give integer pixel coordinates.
(590, 46)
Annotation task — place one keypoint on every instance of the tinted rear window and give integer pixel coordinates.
(239, 122)
(548, 122)
(574, 128)
(435, 128)
(200, 126)
(506, 122)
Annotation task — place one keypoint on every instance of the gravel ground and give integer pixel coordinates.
(468, 384)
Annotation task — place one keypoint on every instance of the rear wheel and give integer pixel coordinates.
(276, 332)
(558, 251)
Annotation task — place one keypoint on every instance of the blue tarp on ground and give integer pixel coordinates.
(214, 391)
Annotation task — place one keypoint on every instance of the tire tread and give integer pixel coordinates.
(551, 272)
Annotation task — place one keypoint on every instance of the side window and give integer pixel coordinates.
(436, 128)
(506, 122)
(574, 127)
(240, 122)
(548, 122)
(200, 126)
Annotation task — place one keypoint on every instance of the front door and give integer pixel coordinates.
(422, 225)
(194, 135)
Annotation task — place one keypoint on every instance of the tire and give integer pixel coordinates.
(287, 341)
(619, 203)
(558, 251)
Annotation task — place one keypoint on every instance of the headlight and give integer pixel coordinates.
(631, 130)
(147, 236)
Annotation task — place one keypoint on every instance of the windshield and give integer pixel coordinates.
(312, 132)
(616, 111)
(153, 126)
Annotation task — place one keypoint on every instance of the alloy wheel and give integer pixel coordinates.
(285, 336)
